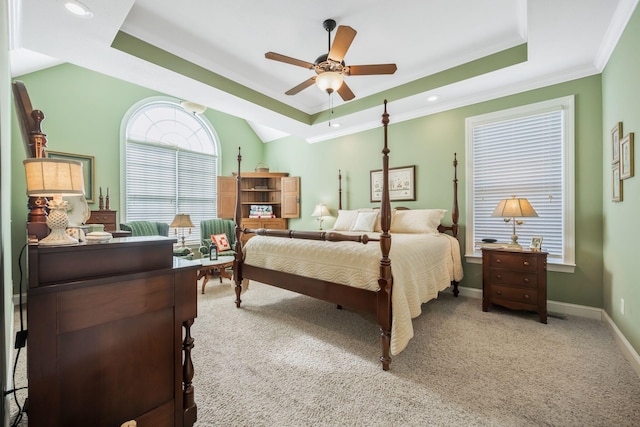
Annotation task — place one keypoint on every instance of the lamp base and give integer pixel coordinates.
(58, 237)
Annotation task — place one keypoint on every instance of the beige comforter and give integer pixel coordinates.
(422, 265)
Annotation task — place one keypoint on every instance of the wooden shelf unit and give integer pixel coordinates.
(276, 189)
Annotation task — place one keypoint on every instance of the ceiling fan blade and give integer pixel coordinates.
(345, 92)
(305, 84)
(363, 70)
(288, 60)
(344, 37)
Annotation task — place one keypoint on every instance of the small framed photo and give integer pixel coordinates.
(616, 183)
(536, 243)
(626, 156)
(616, 132)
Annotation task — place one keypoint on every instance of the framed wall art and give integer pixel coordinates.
(616, 133)
(402, 184)
(616, 183)
(87, 169)
(626, 156)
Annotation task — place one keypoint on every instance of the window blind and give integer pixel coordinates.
(520, 157)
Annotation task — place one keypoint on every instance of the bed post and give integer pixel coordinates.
(339, 189)
(237, 262)
(385, 281)
(455, 215)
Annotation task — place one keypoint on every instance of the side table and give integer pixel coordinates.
(211, 267)
(516, 279)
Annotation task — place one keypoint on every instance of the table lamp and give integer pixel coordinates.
(57, 178)
(513, 208)
(320, 212)
(181, 221)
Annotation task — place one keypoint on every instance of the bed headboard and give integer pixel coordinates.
(455, 213)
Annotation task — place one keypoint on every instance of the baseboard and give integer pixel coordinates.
(627, 349)
(582, 311)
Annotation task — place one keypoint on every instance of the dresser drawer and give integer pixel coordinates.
(513, 261)
(521, 295)
(513, 278)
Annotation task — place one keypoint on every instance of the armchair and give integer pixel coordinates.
(217, 226)
(146, 228)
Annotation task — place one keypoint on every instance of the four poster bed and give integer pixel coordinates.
(345, 268)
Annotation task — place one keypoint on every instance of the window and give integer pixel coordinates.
(525, 152)
(171, 164)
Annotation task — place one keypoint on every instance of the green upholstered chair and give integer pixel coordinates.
(217, 226)
(146, 228)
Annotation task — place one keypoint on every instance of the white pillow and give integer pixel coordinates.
(365, 221)
(417, 221)
(376, 226)
(346, 220)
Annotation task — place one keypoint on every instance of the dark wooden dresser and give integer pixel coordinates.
(516, 279)
(106, 217)
(110, 334)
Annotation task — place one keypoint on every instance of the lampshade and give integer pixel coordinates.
(321, 210)
(329, 81)
(181, 220)
(48, 177)
(514, 208)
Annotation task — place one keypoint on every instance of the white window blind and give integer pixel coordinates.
(171, 167)
(523, 153)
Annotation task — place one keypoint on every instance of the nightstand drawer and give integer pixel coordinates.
(513, 261)
(522, 295)
(513, 278)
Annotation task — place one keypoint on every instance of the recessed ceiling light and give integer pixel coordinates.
(432, 98)
(78, 9)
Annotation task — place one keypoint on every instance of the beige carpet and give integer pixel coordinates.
(289, 360)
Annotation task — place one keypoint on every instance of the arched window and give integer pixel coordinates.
(170, 165)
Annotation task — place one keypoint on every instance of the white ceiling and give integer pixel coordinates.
(566, 39)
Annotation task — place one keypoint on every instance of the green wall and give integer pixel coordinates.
(84, 111)
(429, 143)
(621, 94)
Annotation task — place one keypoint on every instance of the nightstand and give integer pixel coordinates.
(516, 279)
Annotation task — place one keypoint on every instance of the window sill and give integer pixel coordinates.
(552, 264)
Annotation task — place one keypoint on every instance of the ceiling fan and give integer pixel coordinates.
(330, 67)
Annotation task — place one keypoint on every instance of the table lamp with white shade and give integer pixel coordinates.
(54, 178)
(321, 211)
(513, 208)
(182, 221)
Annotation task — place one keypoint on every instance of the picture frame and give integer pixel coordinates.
(87, 169)
(616, 132)
(616, 183)
(402, 184)
(626, 156)
(536, 243)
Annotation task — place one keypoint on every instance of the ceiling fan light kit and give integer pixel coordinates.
(330, 67)
(329, 81)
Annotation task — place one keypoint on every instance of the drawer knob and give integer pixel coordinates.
(499, 276)
(526, 263)
(498, 292)
(499, 261)
(526, 296)
(525, 280)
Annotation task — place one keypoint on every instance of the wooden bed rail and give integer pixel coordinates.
(328, 236)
